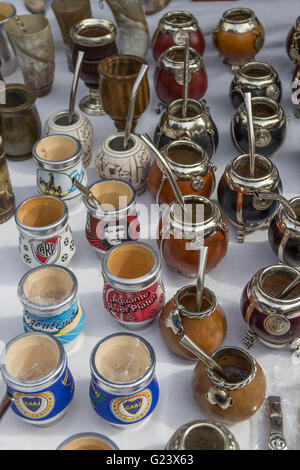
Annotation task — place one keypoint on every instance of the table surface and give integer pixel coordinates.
(176, 404)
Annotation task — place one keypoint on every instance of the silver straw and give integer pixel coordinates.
(201, 276)
(145, 138)
(74, 85)
(251, 136)
(186, 77)
(130, 112)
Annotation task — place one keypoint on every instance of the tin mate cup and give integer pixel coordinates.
(44, 233)
(51, 304)
(39, 384)
(116, 220)
(133, 292)
(87, 441)
(59, 160)
(34, 46)
(124, 390)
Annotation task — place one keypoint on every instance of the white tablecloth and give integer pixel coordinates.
(176, 404)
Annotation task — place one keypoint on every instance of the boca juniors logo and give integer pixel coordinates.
(132, 408)
(34, 406)
(46, 251)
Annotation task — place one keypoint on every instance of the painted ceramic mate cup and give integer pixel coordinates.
(87, 441)
(35, 51)
(131, 164)
(118, 74)
(45, 236)
(59, 160)
(68, 13)
(7, 197)
(125, 392)
(81, 128)
(8, 57)
(49, 295)
(116, 220)
(133, 292)
(20, 124)
(39, 383)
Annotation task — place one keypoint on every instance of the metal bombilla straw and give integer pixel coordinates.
(146, 139)
(86, 193)
(186, 76)
(173, 321)
(74, 86)
(251, 136)
(130, 112)
(277, 197)
(201, 277)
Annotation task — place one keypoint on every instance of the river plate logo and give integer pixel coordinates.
(133, 408)
(46, 251)
(34, 406)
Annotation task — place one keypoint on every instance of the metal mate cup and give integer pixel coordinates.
(202, 435)
(38, 380)
(59, 159)
(123, 396)
(49, 295)
(115, 221)
(133, 292)
(44, 233)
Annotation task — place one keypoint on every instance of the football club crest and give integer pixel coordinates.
(46, 251)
